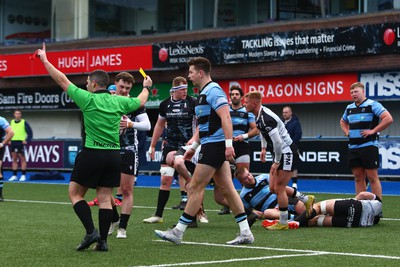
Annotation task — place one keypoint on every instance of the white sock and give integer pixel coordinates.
(323, 207)
(181, 227)
(283, 215)
(303, 198)
(244, 226)
(320, 220)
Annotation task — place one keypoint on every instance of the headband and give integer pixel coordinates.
(183, 86)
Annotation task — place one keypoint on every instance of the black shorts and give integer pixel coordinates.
(212, 154)
(165, 152)
(180, 152)
(241, 148)
(97, 168)
(289, 162)
(17, 147)
(129, 163)
(365, 157)
(2, 150)
(190, 166)
(347, 213)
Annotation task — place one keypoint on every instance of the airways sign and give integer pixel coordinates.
(40, 155)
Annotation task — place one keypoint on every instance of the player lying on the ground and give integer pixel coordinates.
(362, 211)
(256, 195)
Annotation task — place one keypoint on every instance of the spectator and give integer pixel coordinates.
(22, 136)
(293, 127)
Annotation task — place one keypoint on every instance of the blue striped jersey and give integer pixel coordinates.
(211, 98)
(362, 117)
(259, 197)
(240, 121)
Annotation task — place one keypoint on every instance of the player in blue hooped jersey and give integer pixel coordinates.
(362, 122)
(215, 135)
(261, 203)
(7, 133)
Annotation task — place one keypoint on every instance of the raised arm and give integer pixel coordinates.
(144, 95)
(57, 75)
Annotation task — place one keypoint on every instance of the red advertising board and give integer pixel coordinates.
(302, 89)
(79, 61)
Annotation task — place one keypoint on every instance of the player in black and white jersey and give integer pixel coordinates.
(362, 211)
(285, 154)
(129, 125)
(176, 118)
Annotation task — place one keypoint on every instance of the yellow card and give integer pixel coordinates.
(142, 72)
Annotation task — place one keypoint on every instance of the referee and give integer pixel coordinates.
(98, 164)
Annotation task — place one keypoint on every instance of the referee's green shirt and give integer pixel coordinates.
(101, 115)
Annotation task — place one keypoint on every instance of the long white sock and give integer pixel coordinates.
(283, 215)
(181, 227)
(303, 198)
(244, 226)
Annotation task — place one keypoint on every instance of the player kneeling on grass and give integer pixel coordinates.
(261, 203)
(362, 211)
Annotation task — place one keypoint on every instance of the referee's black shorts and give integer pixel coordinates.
(97, 168)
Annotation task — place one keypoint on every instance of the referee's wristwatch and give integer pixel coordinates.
(148, 87)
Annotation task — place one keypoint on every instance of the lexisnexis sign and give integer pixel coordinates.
(308, 44)
(371, 39)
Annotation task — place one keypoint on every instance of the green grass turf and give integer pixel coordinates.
(39, 228)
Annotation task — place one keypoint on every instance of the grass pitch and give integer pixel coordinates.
(39, 228)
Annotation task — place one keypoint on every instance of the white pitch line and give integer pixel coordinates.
(230, 260)
(292, 250)
(135, 207)
(37, 201)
